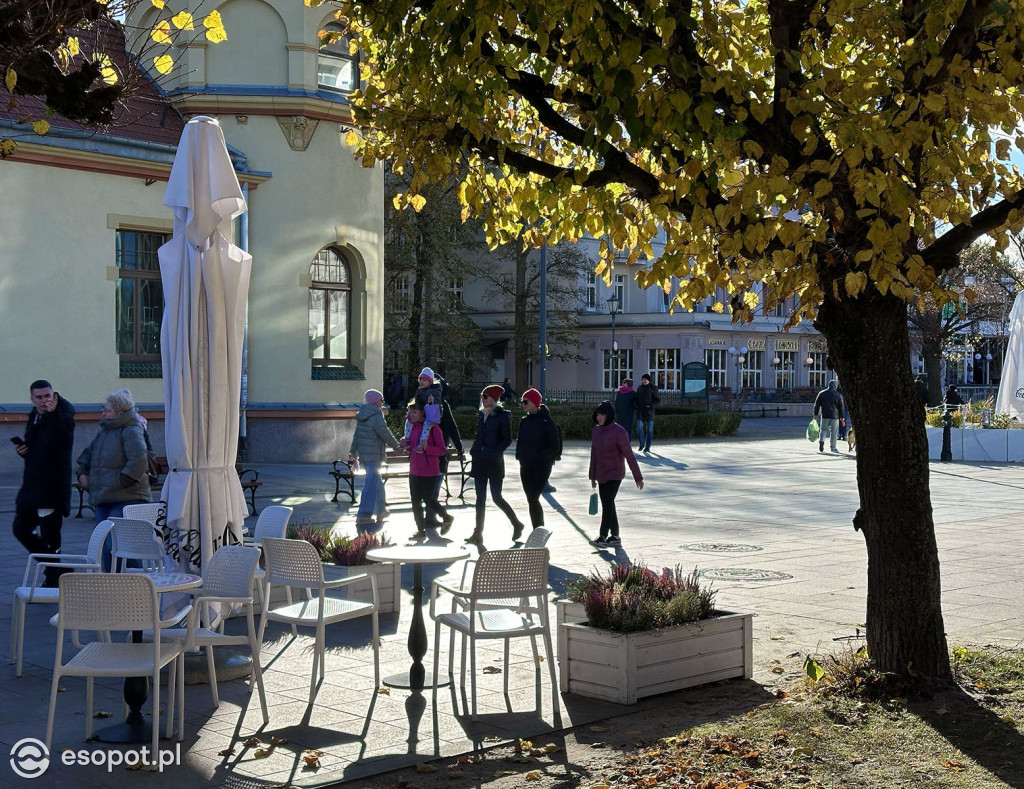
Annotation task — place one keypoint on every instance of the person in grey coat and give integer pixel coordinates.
(369, 443)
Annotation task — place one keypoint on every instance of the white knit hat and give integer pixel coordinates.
(426, 372)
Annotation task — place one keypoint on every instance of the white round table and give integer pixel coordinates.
(136, 689)
(417, 556)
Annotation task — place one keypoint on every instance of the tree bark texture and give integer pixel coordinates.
(869, 343)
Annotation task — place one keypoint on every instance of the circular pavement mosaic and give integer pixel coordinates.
(720, 547)
(743, 574)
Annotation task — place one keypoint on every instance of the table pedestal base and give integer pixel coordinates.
(126, 733)
(401, 680)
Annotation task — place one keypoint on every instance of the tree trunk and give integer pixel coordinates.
(869, 343)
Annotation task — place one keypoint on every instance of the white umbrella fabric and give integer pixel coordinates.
(206, 281)
(1010, 399)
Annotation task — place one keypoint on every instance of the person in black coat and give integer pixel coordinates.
(646, 398)
(537, 449)
(625, 412)
(493, 437)
(44, 499)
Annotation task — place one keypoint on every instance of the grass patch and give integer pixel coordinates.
(844, 732)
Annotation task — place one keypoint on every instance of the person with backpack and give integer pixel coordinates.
(537, 448)
(493, 437)
(646, 398)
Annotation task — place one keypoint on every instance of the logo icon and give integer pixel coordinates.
(29, 758)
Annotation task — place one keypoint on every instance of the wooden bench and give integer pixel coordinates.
(397, 467)
(157, 472)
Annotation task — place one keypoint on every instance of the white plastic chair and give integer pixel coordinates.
(112, 601)
(136, 539)
(227, 579)
(296, 564)
(90, 561)
(144, 512)
(272, 522)
(499, 575)
(538, 539)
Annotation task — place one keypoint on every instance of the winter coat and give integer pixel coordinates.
(371, 435)
(116, 461)
(426, 463)
(625, 402)
(537, 443)
(493, 437)
(646, 398)
(829, 403)
(46, 481)
(609, 447)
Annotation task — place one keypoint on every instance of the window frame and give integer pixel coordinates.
(327, 287)
(338, 53)
(137, 276)
(612, 374)
(817, 373)
(662, 373)
(590, 299)
(401, 295)
(785, 373)
(752, 370)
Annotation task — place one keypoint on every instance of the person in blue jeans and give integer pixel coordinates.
(369, 446)
(644, 402)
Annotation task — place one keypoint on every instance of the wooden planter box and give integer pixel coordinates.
(623, 667)
(389, 584)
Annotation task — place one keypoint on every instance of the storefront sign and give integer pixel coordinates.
(719, 343)
(756, 344)
(787, 345)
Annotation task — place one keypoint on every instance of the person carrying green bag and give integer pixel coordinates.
(609, 452)
(812, 431)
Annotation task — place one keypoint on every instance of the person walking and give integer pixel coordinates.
(424, 469)
(609, 451)
(369, 446)
(508, 394)
(625, 412)
(452, 438)
(493, 437)
(646, 398)
(537, 448)
(44, 499)
(113, 467)
(828, 410)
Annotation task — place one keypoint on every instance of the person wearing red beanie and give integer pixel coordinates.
(493, 437)
(537, 448)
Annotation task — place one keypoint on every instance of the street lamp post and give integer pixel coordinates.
(614, 303)
(741, 356)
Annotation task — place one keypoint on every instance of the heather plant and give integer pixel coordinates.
(318, 535)
(351, 551)
(634, 597)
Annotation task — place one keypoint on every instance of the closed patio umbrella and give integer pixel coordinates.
(205, 280)
(1010, 399)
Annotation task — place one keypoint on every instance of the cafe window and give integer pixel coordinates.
(330, 312)
(664, 368)
(336, 68)
(784, 371)
(716, 359)
(818, 373)
(617, 365)
(752, 368)
(139, 303)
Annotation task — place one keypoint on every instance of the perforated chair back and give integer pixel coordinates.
(538, 538)
(272, 522)
(107, 601)
(96, 540)
(144, 512)
(292, 563)
(137, 539)
(510, 573)
(230, 570)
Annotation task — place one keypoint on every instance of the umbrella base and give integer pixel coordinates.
(228, 664)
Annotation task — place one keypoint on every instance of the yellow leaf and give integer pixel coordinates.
(161, 32)
(183, 21)
(107, 71)
(351, 139)
(213, 20)
(7, 148)
(40, 127)
(417, 202)
(717, 307)
(935, 103)
(216, 34)
(158, 3)
(533, 775)
(163, 63)
(313, 3)
(1002, 149)
(11, 79)
(73, 45)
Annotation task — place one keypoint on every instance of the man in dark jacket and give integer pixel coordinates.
(537, 448)
(624, 401)
(828, 410)
(646, 398)
(45, 496)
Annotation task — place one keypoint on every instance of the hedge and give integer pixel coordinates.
(577, 426)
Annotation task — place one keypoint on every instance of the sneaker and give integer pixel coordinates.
(517, 531)
(821, 447)
(447, 524)
(613, 540)
(419, 535)
(600, 542)
(364, 520)
(384, 516)
(835, 450)
(475, 539)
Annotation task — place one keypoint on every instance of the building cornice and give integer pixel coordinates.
(273, 104)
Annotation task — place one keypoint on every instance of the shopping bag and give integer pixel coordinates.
(593, 504)
(812, 431)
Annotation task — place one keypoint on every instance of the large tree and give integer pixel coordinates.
(840, 151)
(985, 286)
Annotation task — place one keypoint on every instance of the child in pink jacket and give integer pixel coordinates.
(424, 469)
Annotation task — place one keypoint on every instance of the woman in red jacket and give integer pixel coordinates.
(609, 447)
(424, 469)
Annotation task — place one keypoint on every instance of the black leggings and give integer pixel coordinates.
(535, 479)
(495, 476)
(48, 540)
(421, 491)
(609, 520)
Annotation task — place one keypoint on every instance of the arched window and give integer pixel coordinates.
(330, 309)
(336, 69)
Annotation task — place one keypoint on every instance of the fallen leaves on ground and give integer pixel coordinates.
(954, 765)
(533, 775)
(426, 768)
(492, 670)
(102, 714)
(312, 758)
